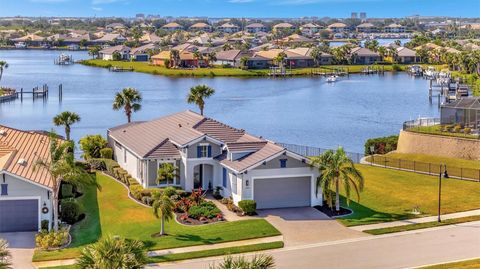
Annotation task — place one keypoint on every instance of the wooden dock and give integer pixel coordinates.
(328, 71)
(120, 69)
(36, 93)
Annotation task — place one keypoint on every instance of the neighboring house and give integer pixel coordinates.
(255, 28)
(364, 56)
(200, 27)
(394, 28)
(406, 56)
(150, 38)
(209, 153)
(338, 27)
(231, 57)
(325, 58)
(116, 26)
(464, 111)
(30, 39)
(228, 28)
(283, 27)
(25, 195)
(295, 39)
(293, 59)
(108, 53)
(187, 59)
(172, 26)
(366, 28)
(310, 29)
(110, 39)
(141, 54)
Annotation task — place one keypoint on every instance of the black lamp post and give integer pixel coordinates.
(445, 175)
(372, 151)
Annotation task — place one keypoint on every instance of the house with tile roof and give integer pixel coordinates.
(228, 28)
(394, 28)
(25, 193)
(200, 27)
(209, 153)
(172, 26)
(361, 55)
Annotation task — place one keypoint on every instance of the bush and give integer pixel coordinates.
(382, 145)
(70, 211)
(205, 209)
(110, 165)
(216, 192)
(457, 128)
(396, 67)
(47, 240)
(147, 200)
(169, 191)
(248, 206)
(91, 146)
(45, 225)
(467, 131)
(136, 191)
(106, 153)
(67, 190)
(97, 164)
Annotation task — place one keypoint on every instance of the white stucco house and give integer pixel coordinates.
(25, 194)
(209, 153)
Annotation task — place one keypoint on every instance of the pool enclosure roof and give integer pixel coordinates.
(472, 103)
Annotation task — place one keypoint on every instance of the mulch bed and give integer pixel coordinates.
(191, 221)
(333, 213)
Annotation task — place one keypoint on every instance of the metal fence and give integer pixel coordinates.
(424, 168)
(421, 122)
(426, 126)
(314, 151)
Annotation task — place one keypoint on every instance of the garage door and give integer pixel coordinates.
(282, 192)
(18, 215)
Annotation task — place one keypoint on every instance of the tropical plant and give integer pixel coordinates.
(244, 62)
(174, 58)
(198, 94)
(336, 168)
(316, 54)
(92, 145)
(257, 262)
(61, 167)
(113, 252)
(167, 173)
(4, 255)
(66, 119)
(162, 208)
(280, 59)
(3, 66)
(94, 51)
(129, 99)
(198, 57)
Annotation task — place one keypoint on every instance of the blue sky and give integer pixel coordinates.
(240, 8)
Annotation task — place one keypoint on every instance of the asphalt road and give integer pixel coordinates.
(403, 250)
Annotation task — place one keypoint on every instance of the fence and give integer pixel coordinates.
(433, 169)
(432, 126)
(313, 151)
(421, 122)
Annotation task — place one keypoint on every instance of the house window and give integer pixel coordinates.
(224, 182)
(283, 163)
(204, 151)
(173, 181)
(4, 189)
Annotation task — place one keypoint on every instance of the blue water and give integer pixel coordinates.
(302, 110)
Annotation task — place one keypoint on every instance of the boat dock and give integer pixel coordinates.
(36, 93)
(120, 69)
(326, 71)
(64, 59)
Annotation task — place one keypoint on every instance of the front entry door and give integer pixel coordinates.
(198, 176)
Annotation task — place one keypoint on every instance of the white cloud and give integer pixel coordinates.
(97, 8)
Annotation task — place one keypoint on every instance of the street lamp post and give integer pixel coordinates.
(445, 175)
(372, 151)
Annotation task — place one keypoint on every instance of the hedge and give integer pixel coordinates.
(248, 206)
(382, 145)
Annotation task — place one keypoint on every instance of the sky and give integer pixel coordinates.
(241, 8)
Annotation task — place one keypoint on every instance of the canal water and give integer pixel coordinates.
(304, 110)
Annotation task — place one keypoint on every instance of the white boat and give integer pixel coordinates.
(20, 45)
(332, 79)
(430, 72)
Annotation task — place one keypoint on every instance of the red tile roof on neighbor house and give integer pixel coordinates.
(19, 150)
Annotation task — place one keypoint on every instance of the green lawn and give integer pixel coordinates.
(391, 195)
(438, 130)
(418, 226)
(437, 160)
(118, 215)
(470, 264)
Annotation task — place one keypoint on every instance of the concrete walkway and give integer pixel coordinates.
(227, 214)
(415, 221)
(21, 246)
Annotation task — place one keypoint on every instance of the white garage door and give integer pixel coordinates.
(18, 215)
(282, 192)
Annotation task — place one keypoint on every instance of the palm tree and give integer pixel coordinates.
(3, 66)
(280, 59)
(61, 167)
(163, 209)
(244, 62)
(66, 119)
(197, 56)
(129, 99)
(174, 58)
(94, 51)
(4, 255)
(257, 262)
(198, 94)
(167, 173)
(337, 168)
(113, 252)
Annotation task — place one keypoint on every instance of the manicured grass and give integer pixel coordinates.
(391, 195)
(121, 216)
(438, 130)
(470, 264)
(418, 226)
(454, 162)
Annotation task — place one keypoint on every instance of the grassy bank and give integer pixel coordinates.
(418, 226)
(438, 130)
(223, 72)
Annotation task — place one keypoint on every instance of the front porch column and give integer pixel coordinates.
(189, 177)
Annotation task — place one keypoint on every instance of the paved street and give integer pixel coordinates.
(404, 250)
(21, 247)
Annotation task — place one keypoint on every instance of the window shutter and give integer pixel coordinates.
(283, 163)
(209, 151)
(224, 177)
(199, 152)
(4, 189)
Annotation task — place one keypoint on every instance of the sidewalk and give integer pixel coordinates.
(415, 221)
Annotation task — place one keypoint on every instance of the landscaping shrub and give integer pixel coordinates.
(106, 153)
(70, 211)
(45, 224)
(91, 146)
(97, 164)
(457, 128)
(396, 67)
(110, 165)
(205, 209)
(47, 240)
(382, 145)
(248, 206)
(67, 191)
(216, 192)
(467, 131)
(169, 191)
(131, 181)
(183, 205)
(147, 200)
(136, 191)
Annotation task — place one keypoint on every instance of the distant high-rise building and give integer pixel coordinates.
(140, 16)
(363, 15)
(354, 15)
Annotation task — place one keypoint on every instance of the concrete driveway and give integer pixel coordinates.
(21, 246)
(306, 225)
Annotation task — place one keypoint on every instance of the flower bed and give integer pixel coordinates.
(194, 210)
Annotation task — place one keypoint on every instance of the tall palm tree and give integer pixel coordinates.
(257, 262)
(336, 168)
(163, 209)
(66, 119)
(174, 58)
(198, 94)
(3, 66)
(167, 173)
(280, 59)
(113, 252)
(4, 255)
(129, 99)
(62, 168)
